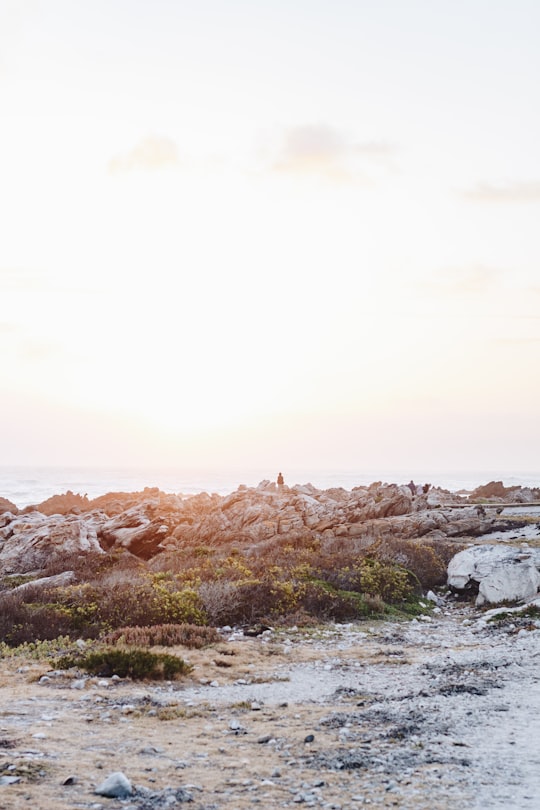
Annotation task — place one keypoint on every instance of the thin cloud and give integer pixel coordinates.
(150, 154)
(35, 351)
(34, 282)
(523, 341)
(472, 280)
(21, 279)
(505, 193)
(325, 151)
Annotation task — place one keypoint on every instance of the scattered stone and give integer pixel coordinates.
(236, 727)
(163, 799)
(116, 786)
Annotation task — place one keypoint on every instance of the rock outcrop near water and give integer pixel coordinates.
(496, 491)
(150, 522)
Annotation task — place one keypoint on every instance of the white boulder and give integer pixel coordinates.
(115, 786)
(502, 573)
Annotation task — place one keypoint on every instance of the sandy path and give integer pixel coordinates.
(414, 715)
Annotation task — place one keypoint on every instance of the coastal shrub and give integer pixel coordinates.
(39, 650)
(89, 565)
(389, 582)
(346, 577)
(426, 560)
(274, 601)
(219, 600)
(87, 610)
(252, 601)
(131, 663)
(25, 621)
(326, 603)
(187, 567)
(14, 580)
(142, 604)
(164, 635)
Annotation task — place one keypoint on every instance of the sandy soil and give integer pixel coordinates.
(424, 714)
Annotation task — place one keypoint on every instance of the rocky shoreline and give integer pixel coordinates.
(150, 522)
(434, 712)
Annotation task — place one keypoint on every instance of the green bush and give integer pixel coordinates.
(389, 582)
(39, 650)
(132, 663)
(426, 560)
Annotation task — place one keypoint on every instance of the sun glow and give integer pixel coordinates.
(251, 255)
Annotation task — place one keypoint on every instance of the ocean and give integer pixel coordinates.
(31, 485)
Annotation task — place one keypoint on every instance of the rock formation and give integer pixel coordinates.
(496, 491)
(7, 506)
(150, 522)
(29, 542)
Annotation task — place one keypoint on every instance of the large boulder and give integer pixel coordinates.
(29, 542)
(143, 528)
(495, 573)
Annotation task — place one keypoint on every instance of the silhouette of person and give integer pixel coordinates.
(280, 480)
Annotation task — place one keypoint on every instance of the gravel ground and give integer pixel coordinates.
(436, 713)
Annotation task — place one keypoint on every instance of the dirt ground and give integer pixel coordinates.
(435, 713)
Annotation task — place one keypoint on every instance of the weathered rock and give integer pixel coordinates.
(135, 530)
(61, 504)
(7, 506)
(28, 542)
(496, 573)
(115, 786)
(496, 491)
(56, 581)
(436, 498)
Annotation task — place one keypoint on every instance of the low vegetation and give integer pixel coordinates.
(164, 635)
(132, 663)
(178, 598)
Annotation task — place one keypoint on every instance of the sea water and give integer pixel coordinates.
(31, 485)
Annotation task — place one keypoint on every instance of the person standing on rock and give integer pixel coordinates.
(280, 480)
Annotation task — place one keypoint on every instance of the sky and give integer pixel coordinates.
(296, 233)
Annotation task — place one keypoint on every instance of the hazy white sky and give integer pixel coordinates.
(283, 233)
